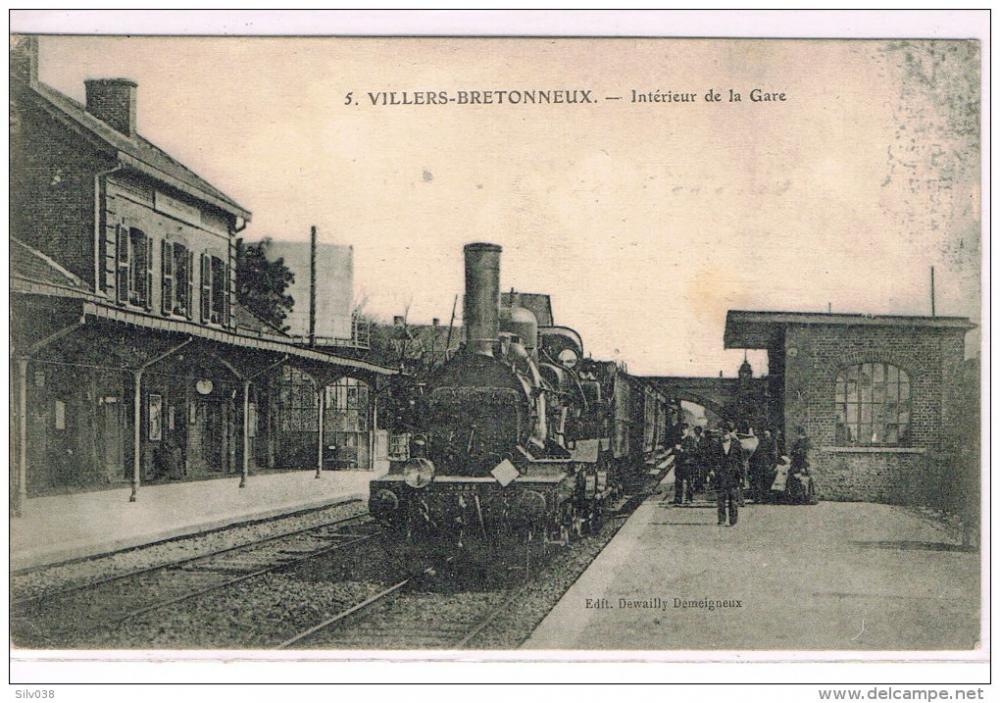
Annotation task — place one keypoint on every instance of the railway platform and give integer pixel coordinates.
(53, 529)
(834, 576)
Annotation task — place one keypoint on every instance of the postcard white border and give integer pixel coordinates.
(674, 667)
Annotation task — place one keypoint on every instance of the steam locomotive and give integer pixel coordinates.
(518, 434)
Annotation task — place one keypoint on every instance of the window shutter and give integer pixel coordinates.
(149, 273)
(206, 288)
(166, 277)
(189, 305)
(121, 263)
(227, 301)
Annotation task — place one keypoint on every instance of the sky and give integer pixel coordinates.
(645, 221)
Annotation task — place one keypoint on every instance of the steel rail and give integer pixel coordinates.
(239, 579)
(50, 595)
(488, 620)
(344, 614)
(620, 516)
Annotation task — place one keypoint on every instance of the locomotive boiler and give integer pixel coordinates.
(509, 438)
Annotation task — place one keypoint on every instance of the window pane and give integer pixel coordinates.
(841, 429)
(904, 418)
(904, 391)
(891, 411)
(866, 414)
(878, 394)
(892, 374)
(866, 435)
(841, 389)
(879, 421)
(878, 373)
(866, 389)
(891, 434)
(852, 413)
(852, 384)
(879, 414)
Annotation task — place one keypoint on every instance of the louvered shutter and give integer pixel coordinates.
(166, 277)
(148, 293)
(206, 288)
(227, 300)
(189, 302)
(121, 263)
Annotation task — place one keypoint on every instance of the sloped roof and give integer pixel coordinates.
(140, 149)
(30, 264)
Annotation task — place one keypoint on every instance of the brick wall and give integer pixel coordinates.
(931, 357)
(52, 187)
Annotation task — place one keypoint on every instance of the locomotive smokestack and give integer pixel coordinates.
(481, 310)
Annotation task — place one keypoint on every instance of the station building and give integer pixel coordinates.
(132, 361)
(884, 399)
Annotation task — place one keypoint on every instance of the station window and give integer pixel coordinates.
(177, 282)
(873, 405)
(214, 290)
(134, 263)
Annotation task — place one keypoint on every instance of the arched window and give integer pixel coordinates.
(873, 405)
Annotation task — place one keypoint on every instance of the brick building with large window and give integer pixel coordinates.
(881, 397)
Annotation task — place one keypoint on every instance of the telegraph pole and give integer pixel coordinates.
(933, 309)
(312, 286)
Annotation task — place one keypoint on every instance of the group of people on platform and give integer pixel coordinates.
(729, 463)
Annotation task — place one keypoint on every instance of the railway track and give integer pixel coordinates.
(426, 610)
(275, 592)
(108, 603)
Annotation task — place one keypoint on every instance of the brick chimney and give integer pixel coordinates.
(24, 58)
(112, 101)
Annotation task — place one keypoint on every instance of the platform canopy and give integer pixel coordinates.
(760, 329)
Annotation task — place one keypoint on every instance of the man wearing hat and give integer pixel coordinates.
(728, 475)
(685, 466)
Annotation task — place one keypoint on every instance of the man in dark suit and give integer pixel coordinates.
(701, 459)
(685, 465)
(728, 475)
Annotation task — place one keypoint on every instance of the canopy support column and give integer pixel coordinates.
(137, 415)
(319, 435)
(245, 468)
(22, 436)
(22, 402)
(136, 433)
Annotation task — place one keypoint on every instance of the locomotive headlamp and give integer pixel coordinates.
(418, 472)
(568, 358)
